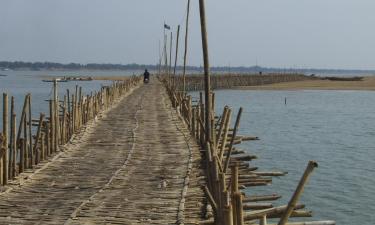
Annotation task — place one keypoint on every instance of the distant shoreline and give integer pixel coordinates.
(53, 66)
(367, 84)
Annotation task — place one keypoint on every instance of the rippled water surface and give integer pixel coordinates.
(335, 128)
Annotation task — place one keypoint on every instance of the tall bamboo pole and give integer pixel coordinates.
(207, 85)
(186, 46)
(56, 115)
(12, 138)
(175, 59)
(5, 141)
(170, 59)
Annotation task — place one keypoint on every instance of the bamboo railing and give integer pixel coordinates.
(31, 141)
(228, 171)
(194, 82)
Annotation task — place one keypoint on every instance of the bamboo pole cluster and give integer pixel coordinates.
(194, 82)
(25, 145)
(228, 171)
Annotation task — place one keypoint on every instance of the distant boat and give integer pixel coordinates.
(58, 80)
(3, 75)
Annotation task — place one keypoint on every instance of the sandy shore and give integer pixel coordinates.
(368, 83)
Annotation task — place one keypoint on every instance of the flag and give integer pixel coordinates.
(167, 27)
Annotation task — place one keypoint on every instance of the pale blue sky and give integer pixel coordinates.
(273, 33)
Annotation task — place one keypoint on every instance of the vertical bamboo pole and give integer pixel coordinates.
(30, 147)
(63, 128)
(12, 138)
(56, 116)
(37, 138)
(51, 127)
(43, 148)
(22, 155)
(69, 114)
(5, 141)
(176, 56)
(14, 144)
(186, 46)
(170, 60)
(207, 85)
(25, 144)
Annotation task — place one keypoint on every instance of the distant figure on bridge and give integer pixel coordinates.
(146, 76)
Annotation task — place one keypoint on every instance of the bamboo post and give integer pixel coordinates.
(30, 146)
(263, 220)
(37, 138)
(293, 201)
(170, 60)
(221, 127)
(225, 135)
(207, 85)
(48, 139)
(43, 148)
(22, 155)
(68, 113)
(63, 127)
(5, 162)
(25, 144)
(23, 115)
(186, 46)
(51, 127)
(232, 140)
(240, 219)
(12, 169)
(12, 137)
(176, 56)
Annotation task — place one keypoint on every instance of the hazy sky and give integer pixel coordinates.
(274, 33)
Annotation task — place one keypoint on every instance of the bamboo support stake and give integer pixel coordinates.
(5, 163)
(12, 126)
(23, 115)
(263, 220)
(293, 201)
(12, 169)
(42, 147)
(175, 59)
(232, 140)
(52, 126)
(186, 47)
(37, 138)
(221, 127)
(64, 125)
(22, 155)
(25, 143)
(30, 137)
(226, 129)
(170, 61)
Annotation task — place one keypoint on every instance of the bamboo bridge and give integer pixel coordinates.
(131, 153)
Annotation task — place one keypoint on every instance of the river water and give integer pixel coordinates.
(19, 83)
(335, 128)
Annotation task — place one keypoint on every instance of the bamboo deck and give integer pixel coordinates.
(128, 167)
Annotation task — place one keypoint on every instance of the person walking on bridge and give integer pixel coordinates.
(146, 76)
